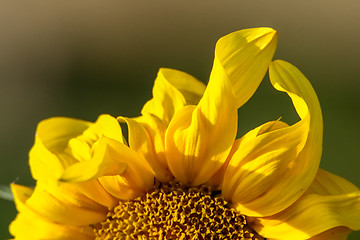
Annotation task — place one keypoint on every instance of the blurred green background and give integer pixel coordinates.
(83, 58)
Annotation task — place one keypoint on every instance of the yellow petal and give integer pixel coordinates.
(92, 153)
(137, 178)
(104, 162)
(88, 190)
(52, 136)
(63, 203)
(330, 206)
(172, 90)
(118, 187)
(217, 179)
(56, 132)
(105, 125)
(92, 190)
(327, 183)
(29, 226)
(282, 160)
(62, 146)
(199, 139)
(242, 58)
(21, 195)
(337, 233)
(146, 136)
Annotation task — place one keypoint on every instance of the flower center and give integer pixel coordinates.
(173, 211)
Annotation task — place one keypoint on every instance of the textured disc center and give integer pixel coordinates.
(173, 211)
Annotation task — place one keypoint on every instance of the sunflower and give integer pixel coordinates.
(181, 173)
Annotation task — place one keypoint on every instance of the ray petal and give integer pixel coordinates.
(331, 206)
(280, 161)
(200, 137)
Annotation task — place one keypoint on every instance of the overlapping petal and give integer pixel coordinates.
(281, 160)
(65, 204)
(71, 206)
(330, 206)
(137, 178)
(95, 151)
(63, 149)
(30, 224)
(172, 91)
(100, 163)
(146, 136)
(200, 137)
(52, 136)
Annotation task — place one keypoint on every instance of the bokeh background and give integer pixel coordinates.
(82, 58)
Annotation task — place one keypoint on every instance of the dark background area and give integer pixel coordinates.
(84, 58)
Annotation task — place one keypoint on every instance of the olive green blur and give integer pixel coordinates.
(83, 58)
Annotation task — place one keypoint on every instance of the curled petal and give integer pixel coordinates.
(52, 137)
(324, 210)
(199, 138)
(103, 162)
(137, 178)
(243, 58)
(275, 159)
(146, 136)
(63, 144)
(172, 90)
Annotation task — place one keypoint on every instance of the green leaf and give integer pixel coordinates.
(5, 193)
